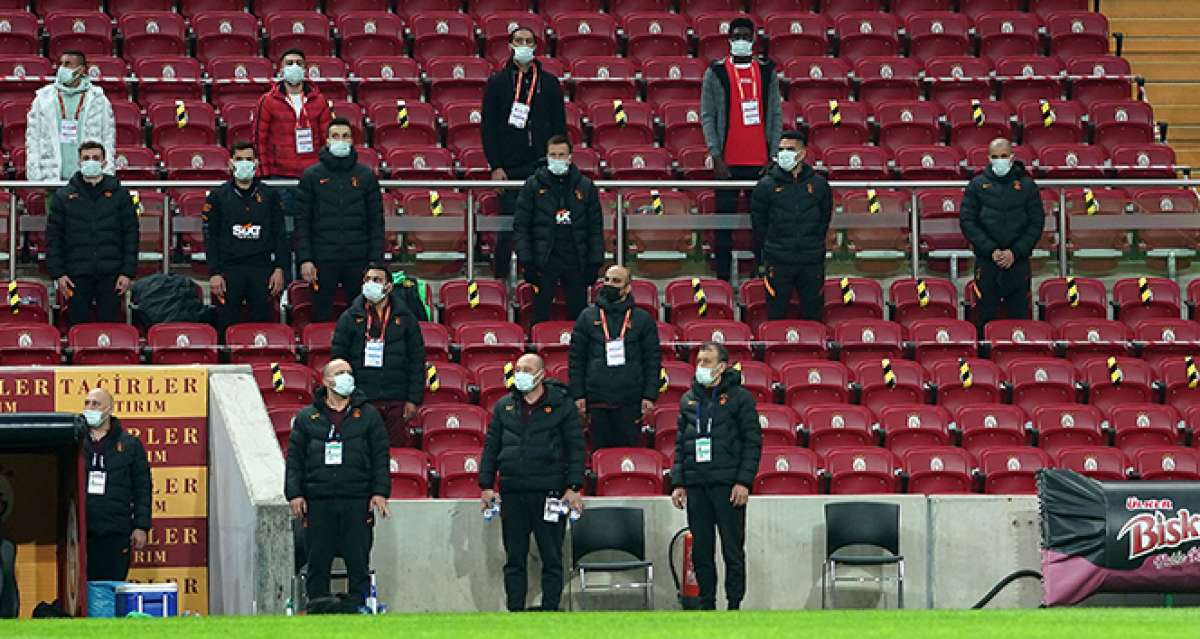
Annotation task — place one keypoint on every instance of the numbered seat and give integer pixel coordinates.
(828, 427)
(787, 470)
(1012, 471)
(1062, 426)
(984, 426)
(940, 470)
(862, 471)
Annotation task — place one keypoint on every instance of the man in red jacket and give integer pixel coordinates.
(290, 123)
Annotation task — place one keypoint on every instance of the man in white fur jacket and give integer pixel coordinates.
(64, 115)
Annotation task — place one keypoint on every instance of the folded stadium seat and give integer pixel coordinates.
(912, 299)
(939, 470)
(296, 29)
(1121, 123)
(192, 8)
(977, 160)
(1141, 161)
(793, 35)
(33, 302)
(695, 164)
(103, 343)
(966, 133)
(1072, 161)
(1076, 33)
(1136, 385)
(1159, 300)
(1137, 426)
(639, 163)
(851, 127)
(338, 9)
(14, 116)
(623, 8)
(458, 307)
(23, 76)
(1100, 78)
(1040, 381)
(758, 378)
(860, 298)
(828, 427)
(297, 383)
(182, 343)
(1012, 471)
(712, 34)
(421, 163)
(1029, 78)
(604, 79)
(946, 249)
(817, 79)
(388, 79)
(128, 119)
(1057, 301)
(764, 9)
(152, 33)
(166, 79)
(907, 427)
(862, 471)
(665, 422)
(933, 34)
(887, 78)
(439, 251)
(984, 426)
(485, 342)
(1007, 32)
(788, 341)
(552, 339)
(679, 381)
(694, 8)
(1094, 339)
(681, 125)
(485, 7)
(787, 470)
(842, 6)
(628, 472)
(456, 79)
(866, 33)
(1066, 126)
(1172, 463)
(942, 340)
(1045, 8)
(670, 79)
(954, 79)
(779, 423)
(454, 382)
(584, 34)
(299, 299)
(19, 33)
(907, 122)
(88, 31)
(954, 391)
(933, 162)
(524, 301)
(815, 381)
(1179, 390)
(474, 166)
(32, 343)
(316, 340)
(239, 79)
(200, 126)
(1098, 462)
(497, 25)
(370, 34)
(856, 163)
(109, 73)
(636, 128)
(260, 342)
(1062, 426)
(651, 35)
(263, 8)
(877, 391)
(683, 306)
(452, 427)
(553, 8)
(205, 162)
(418, 128)
(574, 115)
(408, 473)
(1158, 340)
(734, 336)
(458, 474)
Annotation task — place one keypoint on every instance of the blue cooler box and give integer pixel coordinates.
(156, 600)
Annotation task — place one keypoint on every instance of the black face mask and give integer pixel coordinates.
(610, 292)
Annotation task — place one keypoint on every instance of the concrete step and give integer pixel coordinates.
(1150, 8)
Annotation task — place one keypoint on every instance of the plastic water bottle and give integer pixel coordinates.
(491, 511)
(575, 515)
(289, 608)
(373, 599)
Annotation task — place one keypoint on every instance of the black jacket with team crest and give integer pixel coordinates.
(736, 434)
(125, 504)
(542, 452)
(402, 376)
(92, 230)
(790, 216)
(364, 469)
(535, 228)
(244, 227)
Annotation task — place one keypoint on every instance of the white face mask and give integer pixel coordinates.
(293, 74)
(372, 291)
(343, 384)
(522, 54)
(243, 170)
(787, 159)
(1001, 166)
(65, 76)
(558, 167)
(705, 376)
(524, 381)
(339, 148)
(741, 48)
(93, 417)
(91, 168)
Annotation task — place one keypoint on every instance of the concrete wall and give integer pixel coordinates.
(250, 533)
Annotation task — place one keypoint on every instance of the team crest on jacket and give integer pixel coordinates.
(810, 189)
(724, 399)
(357, 413)
(548, 410)
(1017, 186)
(578, 194)
(779, 189)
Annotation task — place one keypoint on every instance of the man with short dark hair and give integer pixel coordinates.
(741, 111)
(291, 121)
(717, 450)
(93, 240)
(62, 116)
(522, 109)
(245, 242)
(339, 221)
(559, 231)
(790, 210)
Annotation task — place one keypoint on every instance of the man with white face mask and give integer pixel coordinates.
(245, 242)
(741, 112)
(63, 115)
(1003, 218)
(381, 339)
(336, 479)
(118, 490)
(291, 121)
(522, 109)
(535, 443)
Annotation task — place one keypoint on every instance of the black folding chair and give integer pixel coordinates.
(611, 529)
(861, 523)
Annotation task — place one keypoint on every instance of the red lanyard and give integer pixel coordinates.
(303, 115)
(371, 317)
(62, 106)
(624, 324)
(532, 85)
(755, 78)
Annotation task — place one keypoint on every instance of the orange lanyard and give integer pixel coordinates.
(624, 324)
(737, 78)
(532, 85)
(62, 106)
(371, 317)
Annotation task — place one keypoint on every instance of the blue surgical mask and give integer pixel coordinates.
(343, 384)
(293, 74)
(705, 375)
(523, 54)
(91, 168)
(558, 167)
(243, 170)
(65, 75)
(741, 48)
(93, 417)
(339, 148)
(787, 159)
(1001, 166)
(524, 381)
(372, 291)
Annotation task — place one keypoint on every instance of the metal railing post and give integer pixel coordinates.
(619, 251)
(12, 233)
(915, 238)
(166, 234)
(1062, 232)
(470, 234)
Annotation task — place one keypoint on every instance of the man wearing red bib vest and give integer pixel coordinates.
(741, 111)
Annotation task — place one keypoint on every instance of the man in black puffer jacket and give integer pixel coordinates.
(339, 221)
(615, 386)
(536, 444)
(558, 230)
(92, 231)
(1002, 216)
(790, 209)
(716, 458)
(336, 474)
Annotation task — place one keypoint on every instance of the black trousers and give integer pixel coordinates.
(244, 284)
(339, 527)
(521, 515)
(727, 201)
(502, 259)
(329, 275)
(806, 280)
(708, 512)
(999, 287)
(98, 289)
(574, 281)
(616, 426)
(108, 557)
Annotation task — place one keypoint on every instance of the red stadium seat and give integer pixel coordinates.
(102, 343)
(680, 297)
(1066, 126)
(765, 8)
(610, 133)
(681, 125)
(958, 79)
(87, 31)
(1137, 426)
(851, 129)
(1007, 33)
(553, 8)
(1180, 391)
(453, 383)
(1077, 33)
(868, 341)
(19, 33)
(672, 78)
(297, 383)
(907, 305)
(877, 392)
(966, 134)
(1100, 78)
(29, 344)
(911, 426)
(758, 378)
(857, 163)
(234, 79)
(1045, 8)
(1012, 471)
(370, 34)
(225, 33)
(1167, 464)
(842, 6)
(388, 79)
(1124, 122)
(196, 163)
(817, 79)
(437, 342)
(420, 163)
(787, 470)
(484, 7)
(441, 33)
(953, 391)
(200, 127)
(452, 427)
(552, 341)
(735, 336)
(861, 471)
(1162, 301)
(342, 7)
(1012, 339)
(1094, 339)
(458, 474)
(166, 79)
(936, 34)
(252, 342)
(497, 25)
(1027, 78)
(790, 341)
(1149, 160)
(942, 340)
(712, 34)
(265, 7)
(420, 127)
(628, 472)
(296, 29)
(865, 300)
(110, 74)
(458, 307)
(1135, 386)
(182, 343)
(23, 75)
(904, 122)
(408, 472)
(864, 33)
(694, 8)
(665, 422)
(939, 470)
(489, 342)
(1056, 306)
(985, 426)
(794, 35)
(33, 303)
(817, 381)
(933, 162)
(456, 78)
(1062, 426)
(585, 34)
(941, 204)
(623, 8)
(1160, 340)
(679, 381)
(828, 427)
(152, 33)
(1039, 381)
(1098, 462)
(299, 304)
(779, 424)
(651, 35)
(317, 341)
